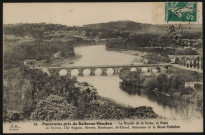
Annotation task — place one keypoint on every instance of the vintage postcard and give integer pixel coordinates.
(102, 67)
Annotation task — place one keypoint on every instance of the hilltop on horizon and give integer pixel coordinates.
(139, 27)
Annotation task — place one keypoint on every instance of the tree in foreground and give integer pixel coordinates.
(53, 108)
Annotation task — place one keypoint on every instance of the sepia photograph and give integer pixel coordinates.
(96, 67)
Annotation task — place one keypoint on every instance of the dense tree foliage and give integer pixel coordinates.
(14, 56)
(156, 58)
(36, 30)
(53, 108)
(62, 97)
(172, 83)
(105, 109)
(12, 115)
(131, 79)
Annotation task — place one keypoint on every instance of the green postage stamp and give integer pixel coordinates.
(181, 11)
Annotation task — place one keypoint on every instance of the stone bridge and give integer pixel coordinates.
(103, 70)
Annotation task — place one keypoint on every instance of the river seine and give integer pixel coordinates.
(109, 86)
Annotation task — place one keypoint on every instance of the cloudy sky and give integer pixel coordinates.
(83, 13)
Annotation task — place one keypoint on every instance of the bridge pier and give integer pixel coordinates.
(139, 69)
(150, 69)
(68, 72)
(80, 71)
(53, 72)
(116, 71)
(92, 73)
(104, 71)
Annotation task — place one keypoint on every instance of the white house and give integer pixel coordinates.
(191, 84)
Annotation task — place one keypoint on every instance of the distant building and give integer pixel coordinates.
(34, 63)
(172, 58)
(191, 84)
(187, 47)
(30, 62)
(145, 61)
(56, 55)
(97, 39)
(57, 39)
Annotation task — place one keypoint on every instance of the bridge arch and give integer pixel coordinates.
(144, 69)
(75, 72)
(63, 72)
(155, 70)
(119, 70)
(133, 69)
(86, 72)
(110, 71)
(98, 71)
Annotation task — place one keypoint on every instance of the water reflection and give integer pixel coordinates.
(185, 110)
(171, 108)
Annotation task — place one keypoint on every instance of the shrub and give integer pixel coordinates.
(163, 83)
(97, 110)
(132, 81)
(153, 58)
(198, 86)
(12, 116)
(187, 90)
(53, 108)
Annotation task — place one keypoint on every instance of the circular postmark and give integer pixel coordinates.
(179, 33)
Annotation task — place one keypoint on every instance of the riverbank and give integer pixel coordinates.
(128, 51)
(171, 84)
(190, 98)
(147, 57)
(106, 108)
(71, 60)
(63, 61)
(139, 55)
(141, 112)
(90, 43)
(186, 110)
